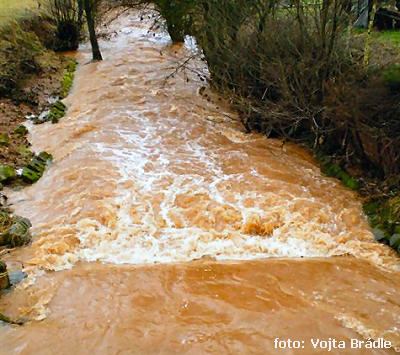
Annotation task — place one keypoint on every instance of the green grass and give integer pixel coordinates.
(11, 9)
(392, 37)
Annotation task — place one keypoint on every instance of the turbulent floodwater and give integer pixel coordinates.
(149, 170)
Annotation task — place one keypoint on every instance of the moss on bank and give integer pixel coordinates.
(68, 78)
(35, 169)
(330, 168)
(381, 208)
(384, 215)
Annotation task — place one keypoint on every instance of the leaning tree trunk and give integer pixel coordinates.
(92, 32)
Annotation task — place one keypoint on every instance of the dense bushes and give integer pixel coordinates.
(296, 71)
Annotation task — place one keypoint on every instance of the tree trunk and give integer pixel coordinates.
(367, 48)
(175, 32)
(80, 14)
(92, 32)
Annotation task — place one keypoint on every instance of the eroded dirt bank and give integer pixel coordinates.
(147, 170)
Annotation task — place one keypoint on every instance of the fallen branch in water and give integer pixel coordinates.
(180, 67)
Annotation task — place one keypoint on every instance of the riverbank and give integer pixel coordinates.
(33, 81)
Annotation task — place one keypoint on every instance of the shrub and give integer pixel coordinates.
(282, 60)
(67, 17)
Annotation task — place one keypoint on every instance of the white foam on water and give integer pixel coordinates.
(191, 184)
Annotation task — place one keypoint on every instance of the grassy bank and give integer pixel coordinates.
(14, 9)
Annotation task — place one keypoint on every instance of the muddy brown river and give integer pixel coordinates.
(163, 228)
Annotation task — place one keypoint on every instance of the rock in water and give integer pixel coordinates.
(14, 230)
(16, 277)
(19, 233)
(4, 280)
(34, 170)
